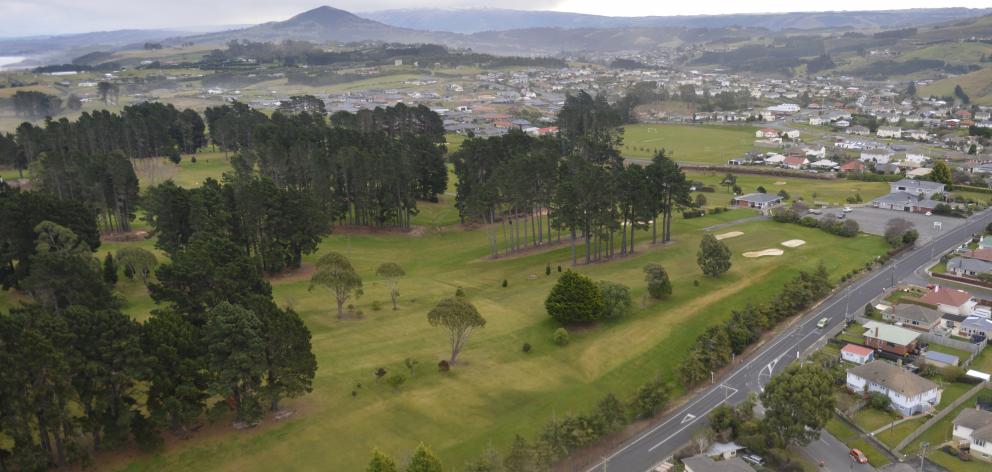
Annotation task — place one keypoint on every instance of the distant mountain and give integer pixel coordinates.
(477, 20)
(324, 24)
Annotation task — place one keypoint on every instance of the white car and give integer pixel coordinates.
(847, 209)
(929, 214)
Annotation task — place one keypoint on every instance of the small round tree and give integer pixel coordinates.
(659, 285)
(335, 272)
(575, 298)
(713, 256)
(392, 272)
(459, 317)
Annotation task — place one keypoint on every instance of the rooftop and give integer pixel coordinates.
(919, 184)
(918, 313)
(759, 198)
(893, 377)
(857, 350)
(890, 333)
(942, 357)
(705, 464)
(946, 296)
(980, 421)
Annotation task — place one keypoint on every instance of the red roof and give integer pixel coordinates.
(795, 161)
(857, 350)
(946, 296)
(853, 165)
(984, 254)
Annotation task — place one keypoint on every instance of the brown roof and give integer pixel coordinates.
(893, 377)
(853, 165)
(979, 421)
(946, 296)
(984, 254)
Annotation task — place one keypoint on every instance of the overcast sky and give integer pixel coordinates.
(31, 17)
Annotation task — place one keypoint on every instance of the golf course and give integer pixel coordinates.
(496, 390)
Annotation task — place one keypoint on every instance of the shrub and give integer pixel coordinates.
(526, 347)
(616, 299)
(547, 270)
(879, 401)
(459, 292)
(951, 373)
(561, 337)
(649, 399)
(376, 305)
(574, 298)
(761, 189)
(379, 373)
(659, 285)
(443, 366)
(689, 214)
(505, 283)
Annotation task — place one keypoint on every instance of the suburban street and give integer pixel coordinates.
(661, 440)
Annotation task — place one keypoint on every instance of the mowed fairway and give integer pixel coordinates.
(705, 144)
(833, 191)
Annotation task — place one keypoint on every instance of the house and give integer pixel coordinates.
(916, 134)
(904, 201)
(824, 164)
(845, 124)
(950, 300)
(723, 450)
(857, 354)
(795, 162)
(853, 166)
(878, 157)
(968, 267)
(917, 187)
(890, 338)
(975, 326)
(951, 322)
(791, 133)
(913, 316)
(766, 133)
(816, 121)
(888, 132)
(775, 159)
(757, 200)
(856, 129)
(908, 393)
(975, 426)
(940, 359)
(703, 463)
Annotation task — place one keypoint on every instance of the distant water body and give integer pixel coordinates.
(8, 60)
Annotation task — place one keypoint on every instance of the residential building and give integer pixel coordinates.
(908, 393)
(757, 200)
(795, 162)
(975, 326)
(766, 133)
(890, 338)
(917, 187)
(975, 426)
(703, 463)
(950, 300)
(858, 130)
(968, 267)
(853, 166)
(905, 201)
(889, 132)
(878, 157)
(913, 316)
(857, 354)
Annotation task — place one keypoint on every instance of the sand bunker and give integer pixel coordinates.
(732, 234)
(766, 252)
(780, 183)
(794, 243)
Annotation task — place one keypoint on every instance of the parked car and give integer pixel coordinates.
(847, 209)
(858, 456)
(754, 459)
(814, 211)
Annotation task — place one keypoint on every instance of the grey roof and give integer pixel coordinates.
(890, 333)
(977, 323)
(980, 421)
(968, 264)
(705, 464)
(941, 357)
(906, 199)
(954, 318)
(893, 377)
(919, 184)
(759, 197)
(922, 314)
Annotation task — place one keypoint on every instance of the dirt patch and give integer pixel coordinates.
(305, 271)
(732, 234)
(793, 243)
(765, 252)
(780, 182)
(124, 237)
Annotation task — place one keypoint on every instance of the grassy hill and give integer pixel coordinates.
(978, 86)
(688, 143)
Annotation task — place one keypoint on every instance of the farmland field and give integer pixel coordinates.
(707, 144)
(496, 390)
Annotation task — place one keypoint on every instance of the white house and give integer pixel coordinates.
(824, 164)
(774, 159)
(880, 157)
(766, 133)
(816, 120)
(889, 132)
(908, 393)
(917, 134)
(791, 133)
(975, 427)
(916, 187)
(857, 354)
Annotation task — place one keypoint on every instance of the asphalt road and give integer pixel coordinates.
(664, 438)
(834, 455)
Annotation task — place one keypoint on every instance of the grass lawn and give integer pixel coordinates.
(870, 419)
(496, 390)
(454, 141)
(810, 190)
(710, 144)
(853, 439)
(853, 334)
(953, 464)
(940, 432)
(892, 436)
(983, 362)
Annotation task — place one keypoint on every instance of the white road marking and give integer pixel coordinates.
(688, 417)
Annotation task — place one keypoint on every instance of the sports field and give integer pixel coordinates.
(496, 390)
(706, 144)
(833, 191)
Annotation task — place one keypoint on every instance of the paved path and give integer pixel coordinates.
(662, 439)
(834, 454)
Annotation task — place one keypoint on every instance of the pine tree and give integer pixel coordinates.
(109, 270)
(380, 462)
(574, 298)
(424, 461)
(713, 256)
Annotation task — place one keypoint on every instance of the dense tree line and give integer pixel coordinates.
(32, 104)
(81, 376)
(715, 348)
(575, 181)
